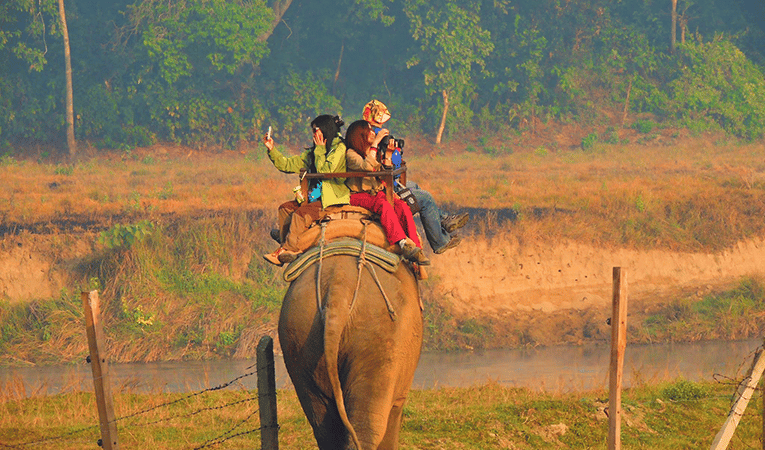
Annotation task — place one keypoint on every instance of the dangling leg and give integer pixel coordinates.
(404, 215)
(299, 221)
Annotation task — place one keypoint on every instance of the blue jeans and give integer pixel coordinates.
(430, 216)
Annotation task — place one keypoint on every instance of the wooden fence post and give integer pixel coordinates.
(618, 345)
(269, 426)
(743, 395)
(100, 369)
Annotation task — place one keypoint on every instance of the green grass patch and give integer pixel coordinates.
(674, 415)
(733, 314)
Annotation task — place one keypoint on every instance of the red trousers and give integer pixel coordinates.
(396, 220)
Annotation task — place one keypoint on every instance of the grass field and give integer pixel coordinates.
(172, 236)
(656, 191)
(671, 415)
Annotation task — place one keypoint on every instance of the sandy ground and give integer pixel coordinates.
(39, 266)
(481, 278)
(478, 278)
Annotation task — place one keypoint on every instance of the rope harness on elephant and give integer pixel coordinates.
(362, 261)
(322, 244)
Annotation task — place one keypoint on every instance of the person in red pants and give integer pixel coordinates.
(369, 192)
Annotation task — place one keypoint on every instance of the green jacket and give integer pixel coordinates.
(333, 190)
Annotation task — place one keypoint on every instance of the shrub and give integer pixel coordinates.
(123, 236)
(684, 390)
(644, 126)
(716, 80)
(589, 141)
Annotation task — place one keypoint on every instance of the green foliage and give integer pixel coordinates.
(715, 80)
(63, 169)
(33, 331)
(214, 72)
(589, 141)
(684, 390)
(451, 43)
(531, 47)
(303, 98)
(610, 136)
(727, 315)
(644, 126)
(7, 159)
(24, 25)
(124, 236)
(473, 333)
(196, 60)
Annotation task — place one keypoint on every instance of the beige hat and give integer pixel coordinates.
(375, 112)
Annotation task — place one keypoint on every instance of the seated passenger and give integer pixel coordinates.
(438, 225)
(327, 155)
(369, 192)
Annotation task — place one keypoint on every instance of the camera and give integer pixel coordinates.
(397, 143)
(393, 155)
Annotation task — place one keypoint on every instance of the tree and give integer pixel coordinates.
(27, 107)
(673, 29)
(452, 42)
(197, 64)
(70, 141)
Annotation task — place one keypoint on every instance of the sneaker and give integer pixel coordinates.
(454, 221)
(273, 258)
(453, 242)
(275, 235)
(413, 253)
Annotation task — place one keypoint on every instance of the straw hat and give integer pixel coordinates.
(375, 112)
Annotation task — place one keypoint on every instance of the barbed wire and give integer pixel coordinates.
(193, 413)
(50, 439)
(223, 437)
(161, 405)
(192, 395)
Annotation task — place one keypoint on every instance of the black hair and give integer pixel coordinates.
(329, 126)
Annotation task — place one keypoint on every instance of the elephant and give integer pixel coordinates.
(352, 361)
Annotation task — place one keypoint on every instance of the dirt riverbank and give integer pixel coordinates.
(530, 294)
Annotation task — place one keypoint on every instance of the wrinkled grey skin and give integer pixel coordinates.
(352, 369)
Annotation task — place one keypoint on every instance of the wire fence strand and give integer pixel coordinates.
(215, 441)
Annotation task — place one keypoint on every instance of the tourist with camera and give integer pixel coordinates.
(369, 192)
(327, 155)
(439, 226)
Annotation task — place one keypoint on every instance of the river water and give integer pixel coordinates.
(551, 369)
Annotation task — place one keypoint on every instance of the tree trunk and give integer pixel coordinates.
(70, 141)
(280, 7)
(627, 102)
(673, 32)
(339, 63)
(683, 20)
(443, 116)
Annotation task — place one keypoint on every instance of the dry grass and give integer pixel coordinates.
(193, 290)
(107, 187)
(681, 193)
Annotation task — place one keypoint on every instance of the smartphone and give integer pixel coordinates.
(268, 133)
